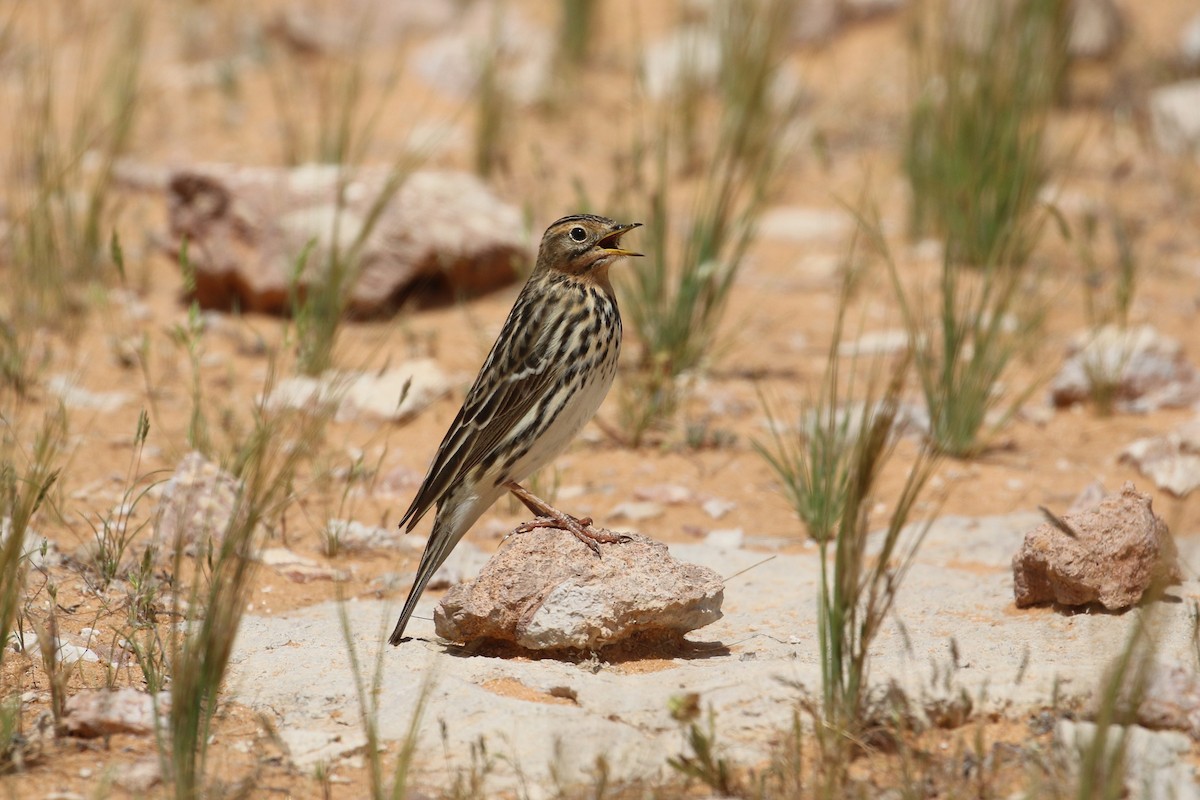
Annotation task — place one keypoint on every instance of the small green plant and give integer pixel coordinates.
(815, 461)
(985, 79)
(576, 31)
(26, 479)
(675, 301)
(383, 787)
(116, 530)
(961, 348)
(494, 103)
(265, 463)
(1108, 296)
(63, 206)
(704, 763)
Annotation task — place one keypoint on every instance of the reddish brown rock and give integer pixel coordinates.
(1110, 554)
(98, 712)
(247, 228)
(545, 590)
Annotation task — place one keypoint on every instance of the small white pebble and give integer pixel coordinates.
(85, 773)
(1014, 484)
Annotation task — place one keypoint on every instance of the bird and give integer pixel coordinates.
(543, 380)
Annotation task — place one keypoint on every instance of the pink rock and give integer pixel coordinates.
(546, 590)
(1110, 554)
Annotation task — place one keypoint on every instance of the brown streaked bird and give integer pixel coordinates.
(545, 377)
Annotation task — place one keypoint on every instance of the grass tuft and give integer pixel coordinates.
(974, 151)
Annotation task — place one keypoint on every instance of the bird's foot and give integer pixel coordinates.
(581, 528)
(550, 517)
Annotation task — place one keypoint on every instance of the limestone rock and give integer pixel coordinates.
(396, 395)
(1175, 118)
(97, 712)
(1171, 700)
(1171, 461)
(546, 590)
(197, 504)
(248, 228)
(1112, 555)
(1144, 369)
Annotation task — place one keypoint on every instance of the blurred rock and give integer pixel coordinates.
(1189, 44)
(99, 712)
(1144, 369)
(298, 568)
(547, 590)
(1155, 764)
(75, 396)
(687, 58)
(801, 224)
(1111, 555)
(1171, 461)
(141, 776)
(1170, 700)
(521, 52)
(196, 506)
(247, 228)
(1175, 118)
(636, 510)
(1097, 29)
(815, 21)
(307, 748)
(354, 537)
(395, 395)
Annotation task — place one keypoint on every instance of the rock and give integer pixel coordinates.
(803, 225)
(636, 510)
(306, 748)
(98, 712)
(548, 591)
(716, 508)
(74, 396)
(669, 494)
(1189, 43)
(352, 536)
(298, 568)
(522, 54)
(395, 395)
(876, 343)
(37, 551)
(1175, 118)
(1170, 700)
(726, 537)
(1143, 369)
(141, 776)
(197, 505)
(247, 228)
(1155, 764)
(1113, 554)
(1097, 29)
(815, 21)
(1171, 461)
(687, 59)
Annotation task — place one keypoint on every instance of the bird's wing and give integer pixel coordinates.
(512, 380)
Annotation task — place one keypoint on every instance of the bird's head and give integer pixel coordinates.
(583, 246)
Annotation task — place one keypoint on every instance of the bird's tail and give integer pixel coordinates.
(448, 530)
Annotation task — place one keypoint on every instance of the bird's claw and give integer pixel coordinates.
(581, 527)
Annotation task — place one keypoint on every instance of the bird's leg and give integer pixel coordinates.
(550, 517)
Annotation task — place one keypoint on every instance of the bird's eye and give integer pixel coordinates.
(578, 234)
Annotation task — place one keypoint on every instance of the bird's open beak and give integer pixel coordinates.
(611, 243)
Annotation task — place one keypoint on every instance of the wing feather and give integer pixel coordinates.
(512, 380)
